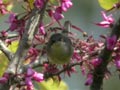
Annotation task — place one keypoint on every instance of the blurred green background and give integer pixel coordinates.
(83, 14)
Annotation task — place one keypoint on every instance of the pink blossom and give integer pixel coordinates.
(30, 75)
(83, 70)
(76, 55)
(1, 2)
(111, 41)
(30, 72)
(29, 84)
(50, 68)
(33, 51)
(96, 62)
(8, 41)
(4, 33)
(3, 9)
(12, 18)
(16, 24)
(34, 75)
(13, 21)
(70, 70)
(38, 77)
(4, 78)
(42, 29)
(32, 54)
(107, 21)
(58, 14)
(66, 4)
(89, 80)
(117, 63)
(39, 3)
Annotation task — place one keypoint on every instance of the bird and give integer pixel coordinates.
(59, 48)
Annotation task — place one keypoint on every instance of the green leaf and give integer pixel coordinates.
(9, 7)
(31, 3)
(51, 84)
(3, 63)
(107, 4)
(53, 1)
(14, 45)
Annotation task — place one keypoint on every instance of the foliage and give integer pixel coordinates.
(107, 4)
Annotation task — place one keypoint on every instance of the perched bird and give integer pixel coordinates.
(59, 48)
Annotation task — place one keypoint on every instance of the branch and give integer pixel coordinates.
(10, 36)
(6, 51)
(63, 70)
(99, 72)
(31, 28)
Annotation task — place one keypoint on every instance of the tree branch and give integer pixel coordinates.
(48, 75)
(6, 51)
(99, 72)
(31, 28)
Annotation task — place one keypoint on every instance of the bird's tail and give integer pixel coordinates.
(67, 27)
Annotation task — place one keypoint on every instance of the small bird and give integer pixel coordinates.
(59, 48)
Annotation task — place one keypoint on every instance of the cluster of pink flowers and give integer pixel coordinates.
(32, 75)
(108, 21)
(32, 54)
(57, 13)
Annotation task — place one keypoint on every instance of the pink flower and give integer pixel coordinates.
(42, 29)
(30, 72)
(70, 70)
(3, 9)
(38, 77)
(107, 21)
(33, 51)
(1, 2)
(34, 75)
(13, 21)
(58, 14)
(111, 41)
(66, 4)
(83, 70)
(4, 33)
(39, 3)
(89, 80)
(12, 17)
(4, 78)
(76, 55)
(50, 68)
(96, 62)
(117, 63)
(29, 84)
(32, 54)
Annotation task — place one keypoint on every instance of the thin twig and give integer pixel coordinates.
(48, 75)
(6, 51)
